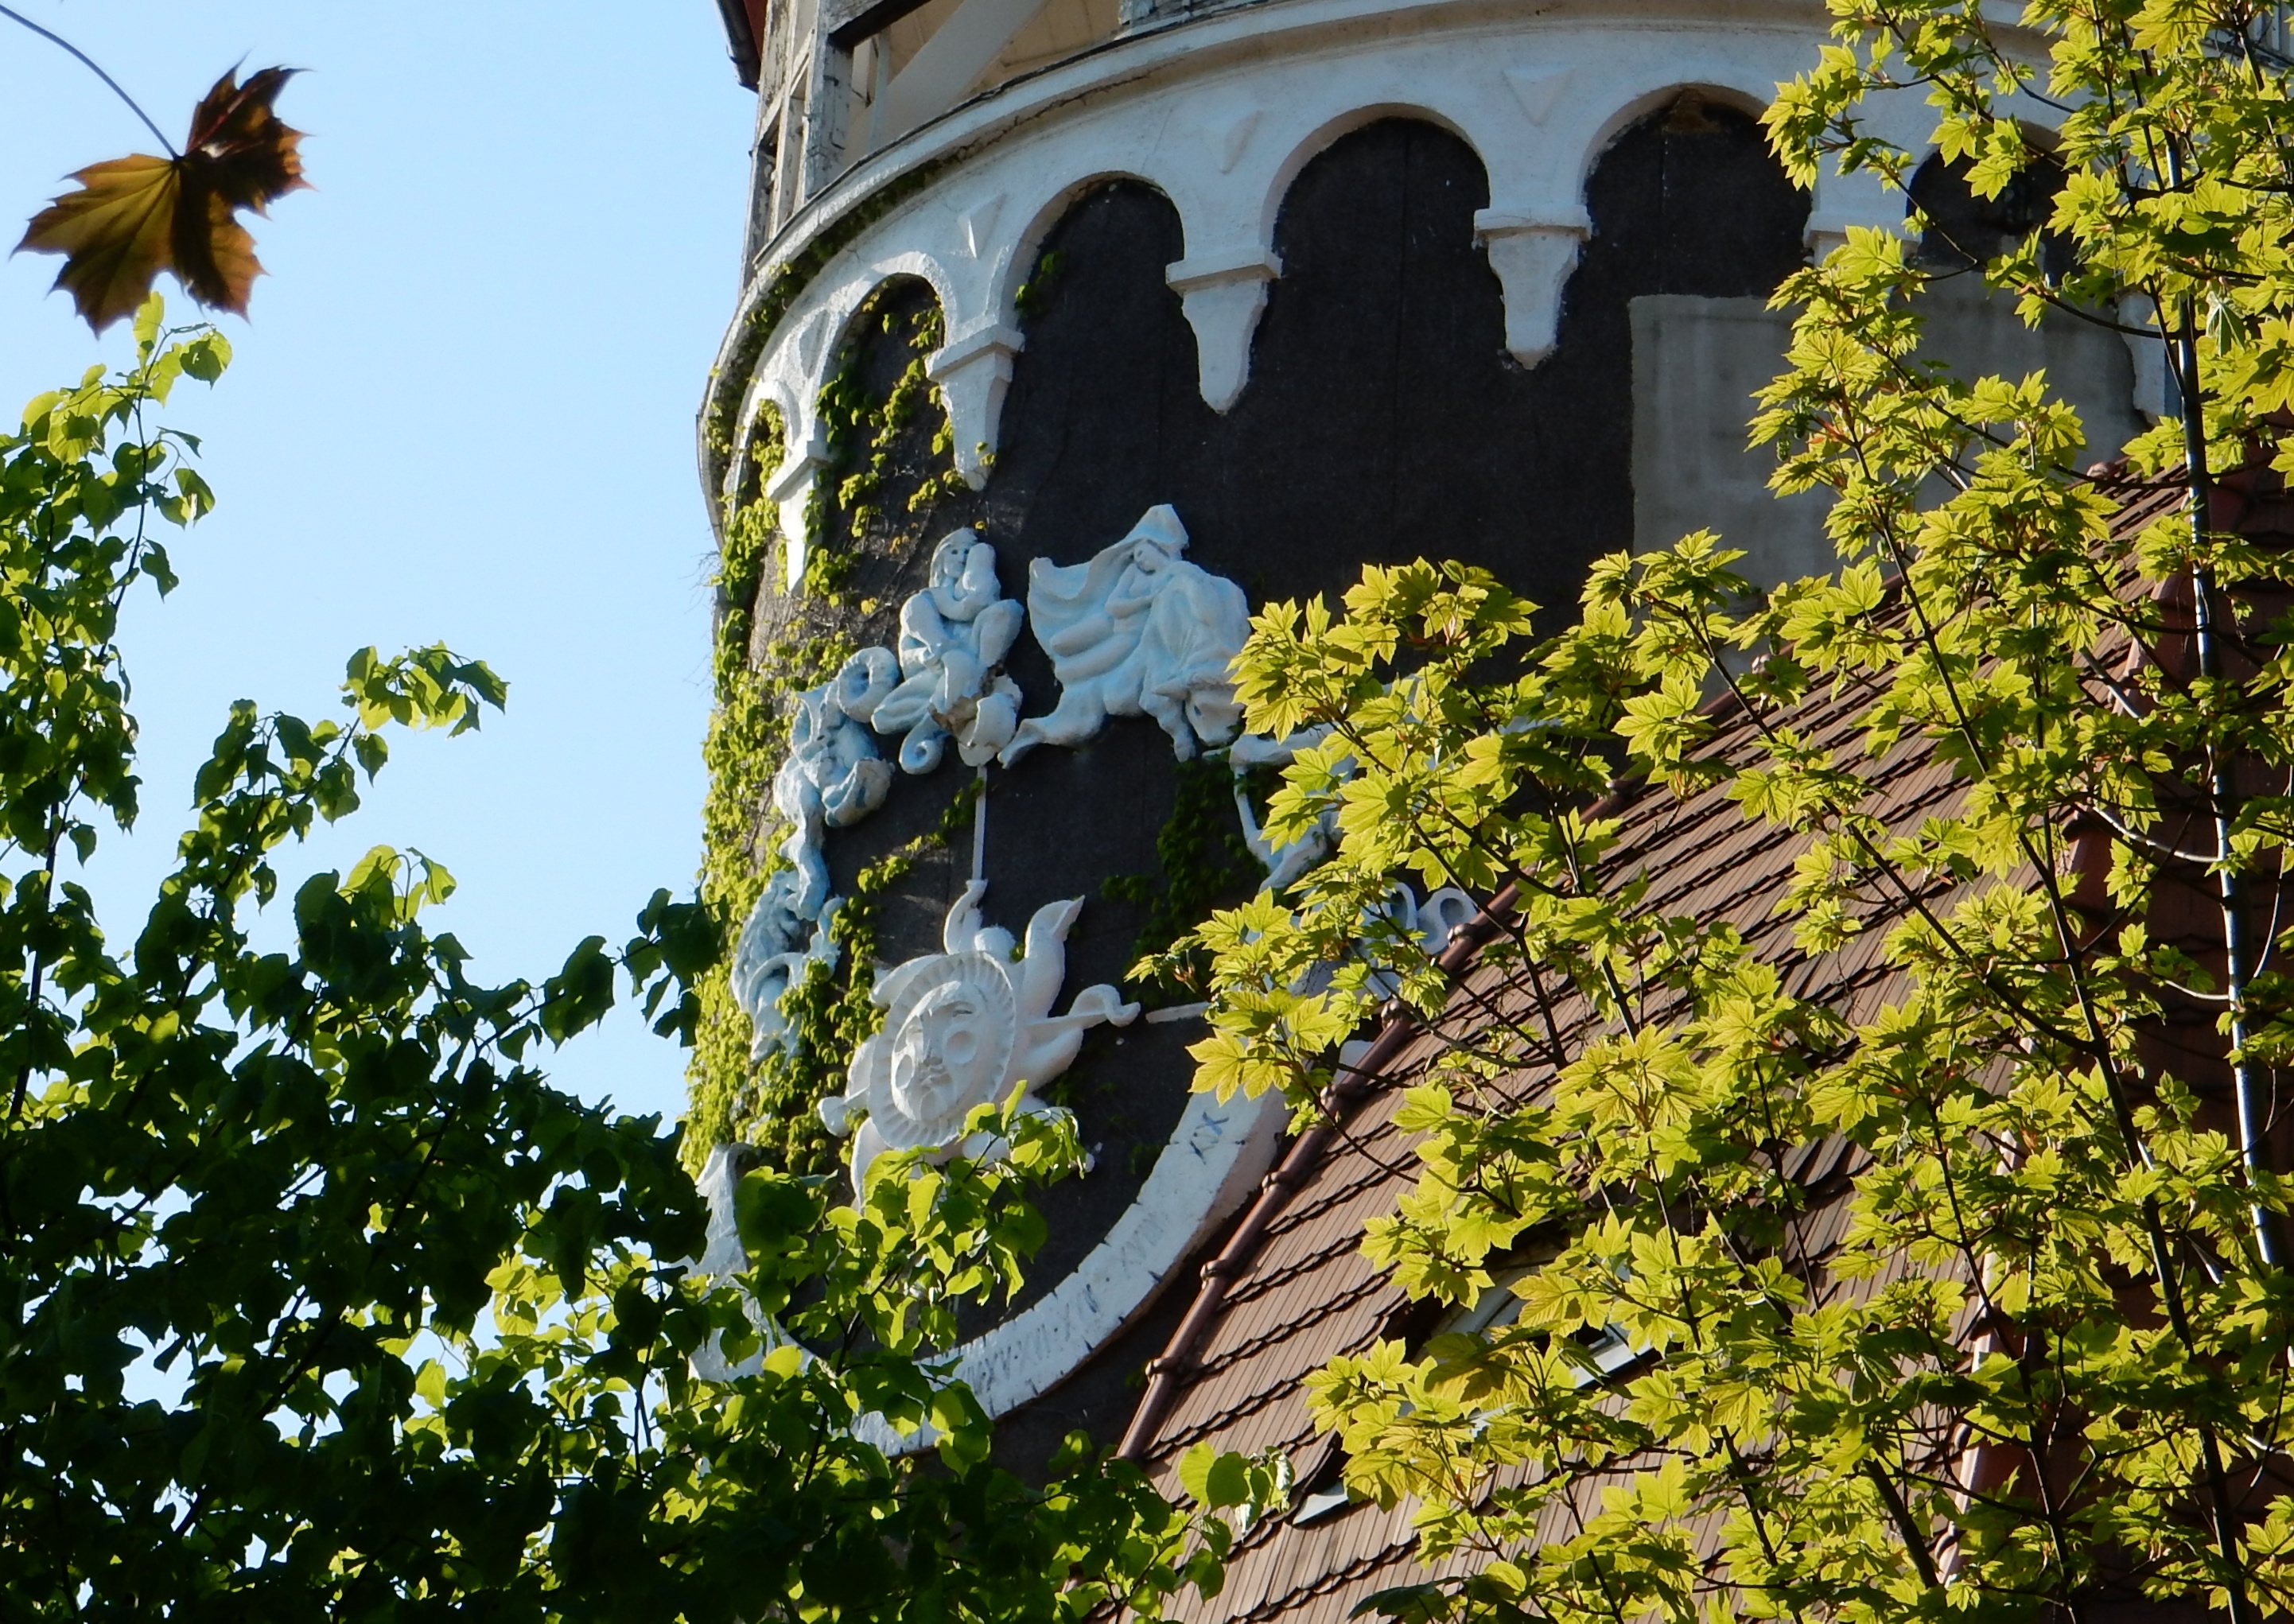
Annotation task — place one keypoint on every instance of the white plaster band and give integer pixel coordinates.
(1220, 114)
(1214, 1160)
(1216, 1156)
(980, 339)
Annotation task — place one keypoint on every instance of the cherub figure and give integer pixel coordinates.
(945, 681)
(963, 1028)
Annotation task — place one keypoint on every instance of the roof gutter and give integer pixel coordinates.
(743, 24)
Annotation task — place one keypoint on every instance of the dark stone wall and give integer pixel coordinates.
(1383, 420)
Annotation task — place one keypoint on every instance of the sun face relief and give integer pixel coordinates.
(947, 1057)
(963, 1028)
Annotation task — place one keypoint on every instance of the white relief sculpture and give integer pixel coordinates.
(769, 960)
(1284, 863)
(1137, 631)
(963, 1028)
(833, 777)
(1211, 1164)
(945, 681)
(1430, 920)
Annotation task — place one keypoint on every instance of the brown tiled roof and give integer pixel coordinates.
(1293, 1290)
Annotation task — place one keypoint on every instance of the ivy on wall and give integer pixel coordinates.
(890, 488)
(1202, 863)
(877, 438)
(746, 728)
(748, 735)
(785, 284)
(1034, 296)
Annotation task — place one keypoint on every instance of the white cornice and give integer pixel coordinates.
(1220, 112)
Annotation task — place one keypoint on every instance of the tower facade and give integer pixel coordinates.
(1072, 332)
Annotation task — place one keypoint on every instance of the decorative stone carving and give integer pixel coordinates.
(946, 679)
(1533, 258)
(1137, 631)
(1222, 296)
(833, 777)
(1430, 921)
(767, 961)
(1284, 863)
(1442, 913)
(973, 370)
(963, 1028)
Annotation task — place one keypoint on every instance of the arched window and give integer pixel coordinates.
(1962, 232)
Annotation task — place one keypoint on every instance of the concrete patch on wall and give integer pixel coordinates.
(2087, 365)
(1696, 363)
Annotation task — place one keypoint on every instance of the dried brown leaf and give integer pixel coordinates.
(116, 234)
(136, 217)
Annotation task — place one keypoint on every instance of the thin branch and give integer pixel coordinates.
(89, 62)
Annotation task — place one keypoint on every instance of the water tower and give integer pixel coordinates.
(1070, 331)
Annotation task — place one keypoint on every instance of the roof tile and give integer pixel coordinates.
(1309, 1294)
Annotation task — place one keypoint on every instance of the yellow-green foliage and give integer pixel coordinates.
(2021, 1354)
(770, 1104)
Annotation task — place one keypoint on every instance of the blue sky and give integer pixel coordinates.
(462, 410)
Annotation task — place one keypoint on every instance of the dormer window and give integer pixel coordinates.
(1608, 1349)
